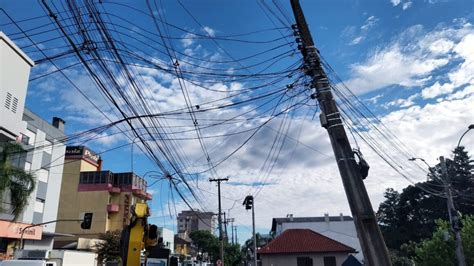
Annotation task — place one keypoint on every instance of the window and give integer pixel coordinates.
(48, 146)
(42, 174)
(25, 139)
(31, 137)
(39, 205)
(27, 166)
(304, 261)
(330, 261)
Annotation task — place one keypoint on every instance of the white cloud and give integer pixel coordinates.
(436, 90)
(362, 33)
(412, 59)
(406, 5)
(211, 32)
(395, 2)
(188, 39)
(356, 40)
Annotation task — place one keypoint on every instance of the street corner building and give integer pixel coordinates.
(304, 247)
(43, 156)
(87, 188)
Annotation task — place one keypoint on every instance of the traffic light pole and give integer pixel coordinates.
(250, 204)
(254, 234)
(370, 237)
(453, 214)
(40, 224)
(221, 239)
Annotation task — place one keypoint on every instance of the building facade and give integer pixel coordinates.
(88, 189)
(43, 157)
(191, 221)
(340, 228)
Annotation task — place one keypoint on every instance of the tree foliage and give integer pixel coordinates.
(440, 248)
(109, 248)
(411, 214)
(19, 183)
(205, 241)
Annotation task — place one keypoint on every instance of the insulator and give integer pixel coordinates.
(294, 26)
(298, 40)
(295, 33)
(300, 47)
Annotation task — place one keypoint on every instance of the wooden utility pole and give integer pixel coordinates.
(221, 238)
(370, 237)
(453, 213)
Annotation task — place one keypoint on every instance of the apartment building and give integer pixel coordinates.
(44, 155)
(190, 221)
(89, 189)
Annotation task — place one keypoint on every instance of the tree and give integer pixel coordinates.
(205, 241)
(411, 214)
(440, 248)
(13, 180)
(109, 248)
(232, 254)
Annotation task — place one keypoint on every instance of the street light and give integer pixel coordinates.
(471, 126)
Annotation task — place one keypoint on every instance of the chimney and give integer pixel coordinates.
(99, 166)
(342, 217)
(326, 217)
(58, 123)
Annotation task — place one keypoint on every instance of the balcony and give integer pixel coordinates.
(112, 208)
(114, 190)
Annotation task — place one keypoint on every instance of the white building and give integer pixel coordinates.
(168, 238)
(340, 228)
(44, 157)
(191, 221)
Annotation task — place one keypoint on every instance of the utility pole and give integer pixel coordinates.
(370, 237)
(453, 213)
(250, 204)
(231, 221)
(219, 218)
(226, 236)
(236, 240)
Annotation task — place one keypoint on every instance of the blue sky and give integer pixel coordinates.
(410, 62)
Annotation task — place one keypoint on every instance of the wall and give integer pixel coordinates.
(73, 206)
(14, 73)
(291, 259)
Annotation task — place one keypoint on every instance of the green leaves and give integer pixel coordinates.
(19, 183)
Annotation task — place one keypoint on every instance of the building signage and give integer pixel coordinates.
(81, 151)
(126, 209)
(13, 230)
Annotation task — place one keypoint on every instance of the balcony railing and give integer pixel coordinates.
(112, 208)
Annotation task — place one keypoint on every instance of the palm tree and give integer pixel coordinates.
(15, 180)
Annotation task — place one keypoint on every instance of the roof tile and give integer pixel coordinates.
(303, 241)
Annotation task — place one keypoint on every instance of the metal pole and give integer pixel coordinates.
(453, 214)
(232, 229)
(50, 222)
(254, 235)
(370, 237)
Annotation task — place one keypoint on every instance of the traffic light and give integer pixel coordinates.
(248, 202)
(87, 221)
